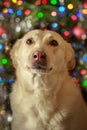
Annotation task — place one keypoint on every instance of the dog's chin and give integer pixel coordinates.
(39, 70)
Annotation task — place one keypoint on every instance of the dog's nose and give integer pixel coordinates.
(39, 56)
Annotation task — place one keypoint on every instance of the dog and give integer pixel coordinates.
(44, 95)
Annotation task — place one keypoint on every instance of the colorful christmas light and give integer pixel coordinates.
(54, 26)
(27, 12)
(83, 72)
(40, 15)
(1, 47)
(4, 61)
(70, 6)
(53, 2)
(62, 9)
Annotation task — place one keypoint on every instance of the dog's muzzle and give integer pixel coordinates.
(39, 60)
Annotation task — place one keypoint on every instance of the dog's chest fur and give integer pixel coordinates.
(36, 106)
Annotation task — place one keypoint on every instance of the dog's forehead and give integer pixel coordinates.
(41, 34)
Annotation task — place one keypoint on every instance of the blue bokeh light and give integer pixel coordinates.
(19, 12)
(62, 9)
(84, 58)
(54, 26)
(1, 47)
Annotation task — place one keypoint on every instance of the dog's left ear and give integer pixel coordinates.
(14, 53)
(69, 56)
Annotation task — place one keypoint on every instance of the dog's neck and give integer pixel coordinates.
(33, 81)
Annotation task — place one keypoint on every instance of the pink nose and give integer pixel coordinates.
(39, 56)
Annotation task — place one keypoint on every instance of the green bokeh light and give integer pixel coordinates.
(40, 14)
(4, 61)
(84, 83)
(53, 2)
(63, 30)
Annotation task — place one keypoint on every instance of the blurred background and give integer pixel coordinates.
(67, 17)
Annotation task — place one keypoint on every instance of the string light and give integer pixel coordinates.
(5, 10)
(63, 30)
(79, 14)
(19, 12)
(18, 29)
(38, 2)
(66, 33)
(54, 13)
(6, 3)
(19, 2)
(62, 9)
(53, 2)
(84, 83)
(1, 80)
(10, 11)
(4, 61)
(54, 26)
(27, 12)
(85, 4)
(74, 17)
(1, 69)
(70, 14)
(1, 47)
(44, 2)
(84, 11)
(84, 58)
(11, 80)
(83, 71)
(70, 6)
(14, 1)
(40, 14)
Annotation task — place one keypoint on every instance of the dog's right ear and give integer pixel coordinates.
(14, 54)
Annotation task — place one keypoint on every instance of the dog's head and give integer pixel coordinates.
(42, 52)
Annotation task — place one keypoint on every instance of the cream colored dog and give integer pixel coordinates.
(45, 96)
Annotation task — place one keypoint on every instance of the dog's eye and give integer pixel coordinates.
(53, 43)
(29, 41)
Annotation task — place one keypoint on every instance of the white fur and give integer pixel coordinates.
(46, 100)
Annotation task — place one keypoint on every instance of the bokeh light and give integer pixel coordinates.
(14, 1)
(1, 80)
(54, 26)
(53, 2)
(74, 17)
(83, 71)
(27, 12)
(1, 47)
(19, 12)
(84, 58)
(84, 83)
(4, 61)
(62, 9)
(85, 4)
(10, 11)
(40, 14)
(66, 33)
(54, 13)
(6, 3)
(70, 6)
(84, 11)
(44, 2)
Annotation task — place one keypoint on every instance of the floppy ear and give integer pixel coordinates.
(14, 54)
(69, 56)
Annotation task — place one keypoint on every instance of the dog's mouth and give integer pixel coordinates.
(40, 67)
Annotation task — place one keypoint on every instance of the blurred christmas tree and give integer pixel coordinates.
(67, 17)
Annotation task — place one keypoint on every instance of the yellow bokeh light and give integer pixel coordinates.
(19, 2)
(84, 11)
(5, 10)
(70, 6)
(14, 1)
